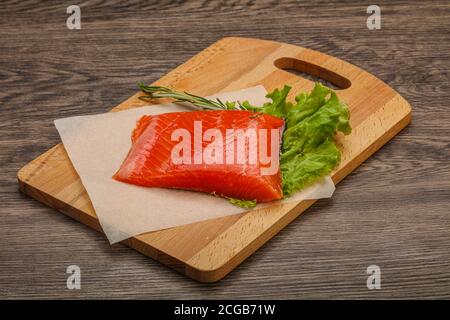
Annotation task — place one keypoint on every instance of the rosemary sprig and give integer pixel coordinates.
(155, 92)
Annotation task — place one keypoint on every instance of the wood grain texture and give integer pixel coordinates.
(392, 211)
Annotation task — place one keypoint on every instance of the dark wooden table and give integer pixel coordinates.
(393, 211)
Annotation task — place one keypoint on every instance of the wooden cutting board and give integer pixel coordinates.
(207, 251)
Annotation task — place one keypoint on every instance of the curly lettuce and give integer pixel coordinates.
(308, 150)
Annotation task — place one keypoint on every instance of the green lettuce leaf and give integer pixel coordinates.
(308, 152)
(279, 107)
(248, 204)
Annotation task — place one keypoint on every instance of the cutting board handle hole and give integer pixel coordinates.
(313, 72)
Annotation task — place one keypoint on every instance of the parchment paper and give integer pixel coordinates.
(97, 145)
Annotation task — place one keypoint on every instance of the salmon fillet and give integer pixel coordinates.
(208, 165)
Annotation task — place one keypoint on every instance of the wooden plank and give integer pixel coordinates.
(207, 251)
(391, 211)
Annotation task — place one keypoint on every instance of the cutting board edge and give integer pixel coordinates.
(93, 223)
(184, 267)
(220, 271)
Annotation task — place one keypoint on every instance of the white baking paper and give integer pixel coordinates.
(97, 145)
